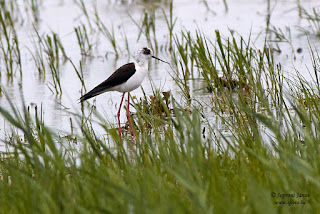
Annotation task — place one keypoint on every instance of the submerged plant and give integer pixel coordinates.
(107, 33)
(83, 40)
(38, 56)
(170, 24)
(147, 27)
(313, 19)
(79, 74)
(9, 44)
(276, 35)
(83, 7)
(51, 47)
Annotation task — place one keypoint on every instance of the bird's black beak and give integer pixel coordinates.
(160, 59)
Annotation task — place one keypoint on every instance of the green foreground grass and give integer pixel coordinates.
(181, 162)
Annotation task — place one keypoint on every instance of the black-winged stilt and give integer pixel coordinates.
(125, 79)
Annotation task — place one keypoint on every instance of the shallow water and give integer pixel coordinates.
(245, 17)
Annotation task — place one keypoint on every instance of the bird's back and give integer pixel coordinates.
(120, 76)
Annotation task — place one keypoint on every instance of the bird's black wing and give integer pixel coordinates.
(121, 75)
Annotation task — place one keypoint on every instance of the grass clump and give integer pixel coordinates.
(48, 52)
(313, 19)
(147, 27)
(83, 40)
(9, 44)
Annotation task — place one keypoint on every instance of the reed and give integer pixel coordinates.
(37, 56)
(51, 47)
(79, 74)
(170, 24)
(147, 27)
(277, 35)
(83, 40)
(313, 19)
(9, 44)
(84, 9)
(110, 35)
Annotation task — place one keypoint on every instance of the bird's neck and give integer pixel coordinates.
(142, 64)
(141, 68)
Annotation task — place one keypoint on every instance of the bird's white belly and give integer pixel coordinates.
(132, 83)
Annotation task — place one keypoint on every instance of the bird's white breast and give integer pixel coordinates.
(135, 80)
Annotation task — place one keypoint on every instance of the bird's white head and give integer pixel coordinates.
(144, 54)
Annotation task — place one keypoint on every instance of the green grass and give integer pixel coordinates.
(147, 27)
(313, 19)
(9, 44)
(52, 48)
(181, 162)
(83, 40)
(110, 35)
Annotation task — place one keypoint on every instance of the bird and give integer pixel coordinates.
(125, 79)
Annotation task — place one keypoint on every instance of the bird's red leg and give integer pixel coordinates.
(119, 114)
(128, 116)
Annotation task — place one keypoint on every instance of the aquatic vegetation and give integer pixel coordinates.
(84, 9)
(95, 173)
(52, 47)
(9, 44)
(313, 19)
(147, 27)
(108, 34)
(170, 24)
(79, 74)
(38, 56)
(277, 35)
(83, 40)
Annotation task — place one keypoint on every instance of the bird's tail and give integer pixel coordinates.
(94, 92)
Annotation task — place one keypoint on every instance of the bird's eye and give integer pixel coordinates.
(146, 51)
